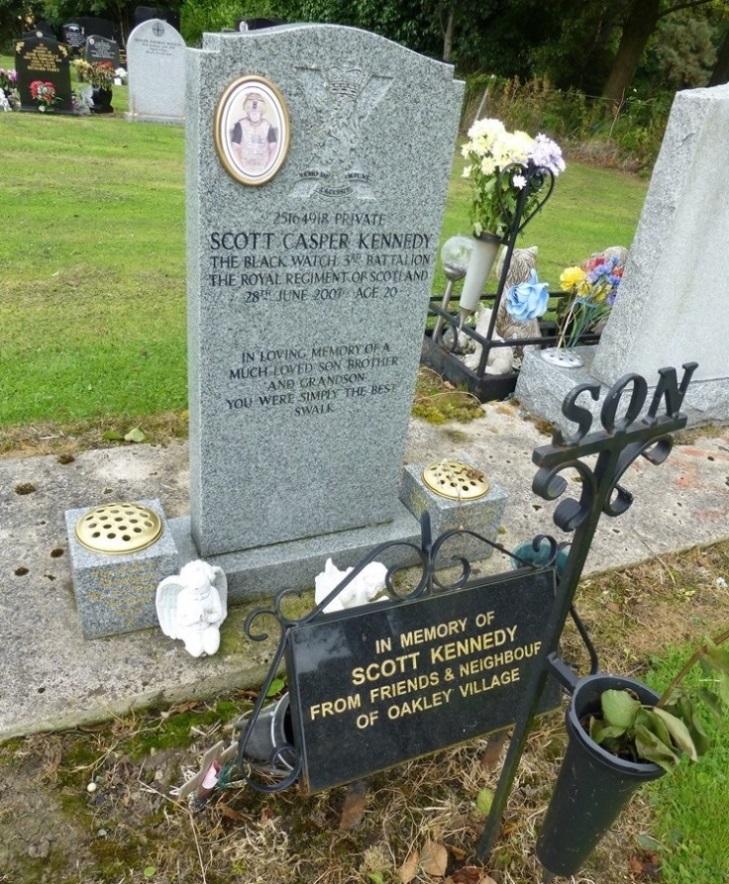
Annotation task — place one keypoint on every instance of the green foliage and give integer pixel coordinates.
(669, 730)
(628, 134)
(690, 807)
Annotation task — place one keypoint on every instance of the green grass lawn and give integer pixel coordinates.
(92, 278)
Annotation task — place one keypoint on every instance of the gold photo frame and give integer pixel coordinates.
(252, 130)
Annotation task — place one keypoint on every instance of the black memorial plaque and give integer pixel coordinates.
(399, 680)
(45, 59)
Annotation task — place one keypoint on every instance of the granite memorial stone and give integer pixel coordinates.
(43, 59)
(146, 13)
(667, 311)
(318, 163)
(91, 24)
(156, 68)
(73, 35)
(99, 48)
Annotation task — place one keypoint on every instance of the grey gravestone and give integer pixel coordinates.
(156, 66)
(43, 58)
(308, 292)
(99, 48)
(669, 310)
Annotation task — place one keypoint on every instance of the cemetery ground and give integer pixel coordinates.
(92, 319)
(94, 805)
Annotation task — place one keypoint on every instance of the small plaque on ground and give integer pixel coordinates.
(399, 680)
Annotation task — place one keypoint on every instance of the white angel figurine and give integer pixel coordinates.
(366, 585)
(192, 606)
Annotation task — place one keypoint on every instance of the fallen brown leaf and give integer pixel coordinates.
(409, 869)
(354, 805)
(434, 859)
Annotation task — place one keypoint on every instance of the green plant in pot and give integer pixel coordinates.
(621, 735)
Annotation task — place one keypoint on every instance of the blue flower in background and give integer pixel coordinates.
(527, 300)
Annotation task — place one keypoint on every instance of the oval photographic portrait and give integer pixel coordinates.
(252, 130)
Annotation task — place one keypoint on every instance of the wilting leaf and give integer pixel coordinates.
(654, 723)
(484, 800)
(650, 748)
(135, 435)
(619, 708)
(678, 731)
(409, 869)
(717, 657)
(434, 859)
(376, 877)
(601, 732)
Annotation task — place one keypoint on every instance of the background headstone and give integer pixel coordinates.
(255, 24)
(307, 295)
(73, 35)
(156, 68)
(100, 48)
(670, 308)
(91, 24)
(146, 13)
(43, 58)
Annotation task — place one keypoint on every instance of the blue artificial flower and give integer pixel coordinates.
(527, 300)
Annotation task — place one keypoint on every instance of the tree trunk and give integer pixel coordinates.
(448, 36)
(638, 27)
(720, 74)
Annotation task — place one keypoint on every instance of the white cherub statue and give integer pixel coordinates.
(192, 606)
(366, 585)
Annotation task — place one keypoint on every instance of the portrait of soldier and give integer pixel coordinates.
(254, 141)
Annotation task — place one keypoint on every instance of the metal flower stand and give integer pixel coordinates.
(441, 342)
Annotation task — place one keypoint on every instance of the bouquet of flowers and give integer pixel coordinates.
(498, 163)
(8, 80)
(44, 94)
(592, 289)
(99, 73)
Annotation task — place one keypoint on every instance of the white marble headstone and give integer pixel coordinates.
(156, 72)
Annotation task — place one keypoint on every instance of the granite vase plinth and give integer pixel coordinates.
(116, 593)
(482, 516)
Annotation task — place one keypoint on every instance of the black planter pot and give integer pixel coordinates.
(593, 785)
(102, 101)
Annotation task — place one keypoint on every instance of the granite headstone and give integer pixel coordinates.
(318, 163)
(156, 68)
(91, 24)
(73, 36)
(99, 48)
(669, 310)
(45, 59)
(146, 13)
